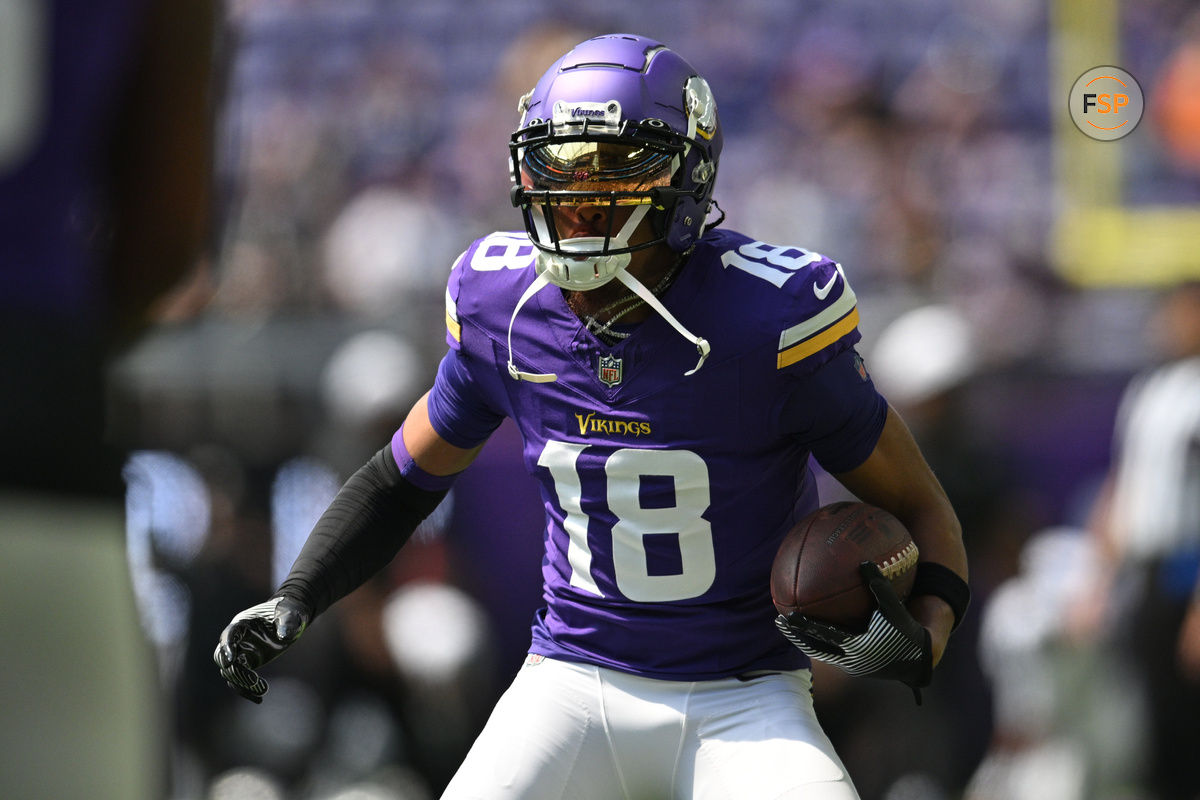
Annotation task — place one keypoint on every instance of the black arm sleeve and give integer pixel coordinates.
(369, 520)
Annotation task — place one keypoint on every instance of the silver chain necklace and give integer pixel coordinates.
(604, 331)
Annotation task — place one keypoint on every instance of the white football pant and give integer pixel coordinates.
(580, 732)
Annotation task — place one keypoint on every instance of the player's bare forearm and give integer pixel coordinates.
(937, 617)
(430, 451)
(896, 477)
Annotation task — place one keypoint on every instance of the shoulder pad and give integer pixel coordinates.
(453, 326)
(827, 314)
(501, 259)
(811, 307)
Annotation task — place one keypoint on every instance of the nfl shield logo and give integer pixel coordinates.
(610, 370)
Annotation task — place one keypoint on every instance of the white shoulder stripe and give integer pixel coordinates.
(829, 315)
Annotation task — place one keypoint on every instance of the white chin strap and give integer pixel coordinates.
(634, 284)
(576, 274)
(539, 283)
(641, 291)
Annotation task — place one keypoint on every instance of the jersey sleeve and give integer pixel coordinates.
(453, 285)
(824, 321)
(836, 412)
(461, 409)
(458, 408)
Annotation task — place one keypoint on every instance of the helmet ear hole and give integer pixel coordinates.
(686, 220)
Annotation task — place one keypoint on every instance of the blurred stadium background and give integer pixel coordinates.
(1007, 269)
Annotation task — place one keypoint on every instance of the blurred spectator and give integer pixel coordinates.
(378, 255)
(1147, 524)
(1176, 99)
(367, 384)
(474, 157)
(1046, 700)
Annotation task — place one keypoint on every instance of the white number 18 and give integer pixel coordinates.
(624, 470)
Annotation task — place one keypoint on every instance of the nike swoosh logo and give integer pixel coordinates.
(823, 291)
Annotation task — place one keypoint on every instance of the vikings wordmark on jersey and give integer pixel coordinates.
(666, 494)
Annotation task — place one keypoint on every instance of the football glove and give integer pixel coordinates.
(255, 637)
(894, 647)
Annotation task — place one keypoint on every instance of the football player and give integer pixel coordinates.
(670, 379)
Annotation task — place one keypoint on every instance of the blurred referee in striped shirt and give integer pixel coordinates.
(1149, 525)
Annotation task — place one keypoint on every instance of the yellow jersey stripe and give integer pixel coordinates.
(454, 327)
(829, 315)
(452, 323)
(823, 339)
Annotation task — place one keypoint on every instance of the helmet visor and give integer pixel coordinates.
(593, 166)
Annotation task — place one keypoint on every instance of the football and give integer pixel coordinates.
(816, 569)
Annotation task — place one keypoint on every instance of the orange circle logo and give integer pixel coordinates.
(1106, 103)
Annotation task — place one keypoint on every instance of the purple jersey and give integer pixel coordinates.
(666, 495)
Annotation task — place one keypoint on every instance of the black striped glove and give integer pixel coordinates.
(253, 638)
(894, 647)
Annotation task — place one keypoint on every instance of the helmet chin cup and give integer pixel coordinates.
(593, 266)
(583, 272)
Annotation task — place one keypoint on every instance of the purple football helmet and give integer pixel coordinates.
(619, 121)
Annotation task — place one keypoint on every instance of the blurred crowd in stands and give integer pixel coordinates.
(362, 145)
